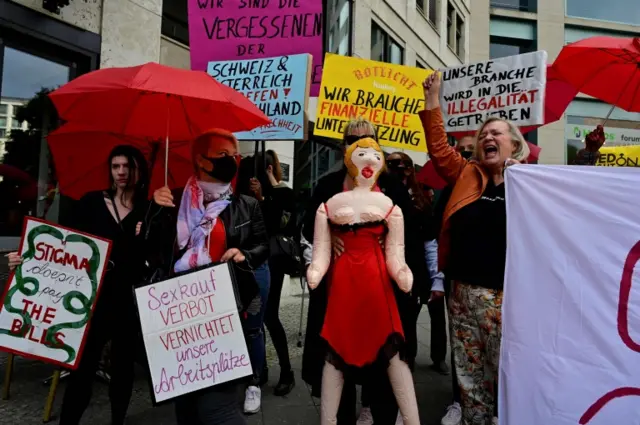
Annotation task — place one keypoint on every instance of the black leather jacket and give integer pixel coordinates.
(245, 230)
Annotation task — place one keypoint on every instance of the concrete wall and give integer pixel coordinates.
(174, 54)
(85, 14)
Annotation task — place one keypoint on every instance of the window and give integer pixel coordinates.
(175, 20)
(501, 47)
(455, 31)
(339, 28)
(384, 48)
(523, 5)
(622, 11)
(429, 8)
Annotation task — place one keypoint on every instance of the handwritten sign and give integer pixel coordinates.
(571, 341)
(511, 88)
(50, 297)
(390, 96)
(619, 156)
(222, 30)
(192, 332)
(278, 86)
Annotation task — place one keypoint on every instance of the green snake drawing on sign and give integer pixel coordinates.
(29, 287)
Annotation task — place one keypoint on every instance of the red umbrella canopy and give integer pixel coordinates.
(607, 68)
(81, 154)
(155, 101)
(429, 176)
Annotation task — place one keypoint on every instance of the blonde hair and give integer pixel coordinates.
(358, 123)
(365, 143)
(521, 152)
(203, 141)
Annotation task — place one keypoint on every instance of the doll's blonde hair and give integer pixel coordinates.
(364, 143)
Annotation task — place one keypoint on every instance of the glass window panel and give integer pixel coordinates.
(395, 53)
(524, 5)
(15, 123)
(433, 12)
(623, 11)
(377, 43)
(3, 122)
(24, 76)
(4, 109)
(420, 5)
(459, 36)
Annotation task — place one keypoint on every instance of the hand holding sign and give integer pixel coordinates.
(431, 86)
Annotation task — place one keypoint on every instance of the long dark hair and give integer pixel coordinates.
(271, 160)
(419, 198)
(137, 164)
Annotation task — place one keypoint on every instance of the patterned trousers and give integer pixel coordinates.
(476, 330)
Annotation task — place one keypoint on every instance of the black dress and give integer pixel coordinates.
(114, 317)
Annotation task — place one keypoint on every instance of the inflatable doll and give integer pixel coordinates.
(362, 324)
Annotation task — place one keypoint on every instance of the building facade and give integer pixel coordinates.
(508, 27)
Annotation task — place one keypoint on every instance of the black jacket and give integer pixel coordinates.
(314, 349)
(245, 230)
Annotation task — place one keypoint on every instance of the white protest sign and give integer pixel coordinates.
(192, 332)
(570, 317)
(511, 88)
(51, 296)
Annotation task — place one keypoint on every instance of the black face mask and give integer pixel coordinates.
(466, 154)
(224, 168)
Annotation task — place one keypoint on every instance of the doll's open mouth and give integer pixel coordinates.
(367, 172)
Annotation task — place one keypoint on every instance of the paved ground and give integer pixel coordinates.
(28, 393)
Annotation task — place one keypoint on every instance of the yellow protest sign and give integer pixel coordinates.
(388, 95)
(619, 156)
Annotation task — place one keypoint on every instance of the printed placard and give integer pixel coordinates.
(50, 297)
(278, 86)
(192, 332)
(511, 88)
(619, 156)
(388, 95)
(222, 30)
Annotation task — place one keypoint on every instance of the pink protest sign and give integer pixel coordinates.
(223, 30)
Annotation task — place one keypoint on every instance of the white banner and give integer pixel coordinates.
(51, 296)
(192, 332)
(511, 88)
(571, 312)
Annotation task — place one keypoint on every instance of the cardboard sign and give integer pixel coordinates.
(51, 296)
(571, 329)
(511, 88)
(619, 156)
(192, 332)
(231, 30)
(278, 86)
(390, 96)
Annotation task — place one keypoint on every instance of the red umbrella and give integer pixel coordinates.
(10, 172)
(429, 177)
(607, 68)
(156, 102)
(80, 155)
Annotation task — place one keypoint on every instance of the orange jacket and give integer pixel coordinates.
(468, 178)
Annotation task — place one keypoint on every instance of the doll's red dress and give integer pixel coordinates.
(362, 323)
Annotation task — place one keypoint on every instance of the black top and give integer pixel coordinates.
(278, 209)
(126, 262)
(244, 230)
(479, 240)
